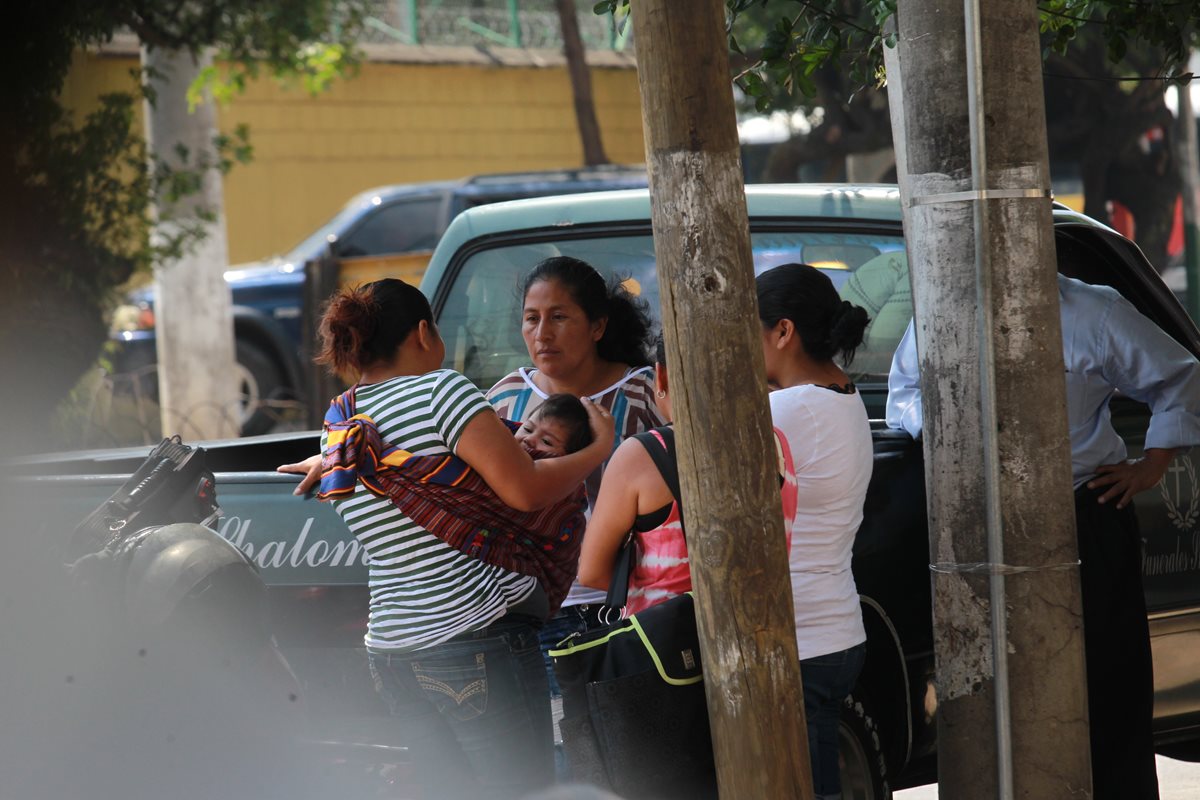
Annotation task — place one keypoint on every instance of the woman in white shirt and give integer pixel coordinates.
(806, 325)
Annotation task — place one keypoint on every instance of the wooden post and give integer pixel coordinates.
(321, 277)
(1011, 702)
(736, 542)
(581, 85)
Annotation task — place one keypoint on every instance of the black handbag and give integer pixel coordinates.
(634, 715)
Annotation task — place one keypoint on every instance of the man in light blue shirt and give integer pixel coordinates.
(1108, 346)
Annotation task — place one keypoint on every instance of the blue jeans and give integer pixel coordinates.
(568, 620)
(475, 712)
(828, 679)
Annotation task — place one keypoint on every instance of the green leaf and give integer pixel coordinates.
(200, 86)
(806, 86)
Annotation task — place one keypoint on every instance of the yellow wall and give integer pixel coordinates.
(1074, 201)
(392, 123)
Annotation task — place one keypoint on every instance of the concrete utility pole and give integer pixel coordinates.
(969, 127)
(714, 348)
(197, 380)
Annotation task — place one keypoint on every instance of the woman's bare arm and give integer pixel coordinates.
(489, 447)
(310, 468)
(614, 514)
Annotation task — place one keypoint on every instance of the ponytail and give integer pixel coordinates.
(827, 325)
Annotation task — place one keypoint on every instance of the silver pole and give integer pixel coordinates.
(987, 357)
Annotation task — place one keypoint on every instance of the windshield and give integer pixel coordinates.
(480, 319)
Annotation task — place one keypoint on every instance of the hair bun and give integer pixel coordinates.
(848, 326)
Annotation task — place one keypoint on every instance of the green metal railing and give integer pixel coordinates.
(506, 23)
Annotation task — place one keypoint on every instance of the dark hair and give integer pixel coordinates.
(660, 350)
(628, 330)
(568, 409)
(827, 325)
(363, 325)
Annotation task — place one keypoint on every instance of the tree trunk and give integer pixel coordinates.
(1147, 181)
(1008, 646)
(198, 388)
(738, 558)
(581, 85)
(1102, 126)
(848, 127)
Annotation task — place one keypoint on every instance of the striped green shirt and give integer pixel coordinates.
(422, 591)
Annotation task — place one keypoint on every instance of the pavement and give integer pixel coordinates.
(1177, 780)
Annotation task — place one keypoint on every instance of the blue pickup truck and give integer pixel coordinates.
(316, 573)
(386, 231)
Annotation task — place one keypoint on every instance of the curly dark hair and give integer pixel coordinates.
(627, 336)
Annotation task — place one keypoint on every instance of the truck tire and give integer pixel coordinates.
(260, 380)
(861, 752)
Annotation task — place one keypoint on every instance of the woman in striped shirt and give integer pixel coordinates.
(452, 641)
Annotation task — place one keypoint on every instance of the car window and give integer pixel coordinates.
(1104, 258)
(480, 317)
(316, 243)
(399, 227)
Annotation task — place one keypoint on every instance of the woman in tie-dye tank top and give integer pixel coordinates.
(640, 493)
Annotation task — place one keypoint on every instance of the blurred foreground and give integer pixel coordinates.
(97, 707)
(1177, 780)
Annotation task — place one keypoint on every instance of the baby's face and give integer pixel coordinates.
(544, 435)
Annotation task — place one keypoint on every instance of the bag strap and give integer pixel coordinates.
(618, 586)
(660, 445)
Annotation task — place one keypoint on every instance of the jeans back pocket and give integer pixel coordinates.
(457, 690)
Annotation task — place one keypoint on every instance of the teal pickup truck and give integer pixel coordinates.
(316, 573)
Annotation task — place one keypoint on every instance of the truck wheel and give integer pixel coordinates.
(259, 381)
(860, 752)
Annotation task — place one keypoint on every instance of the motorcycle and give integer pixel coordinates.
(190, 657)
